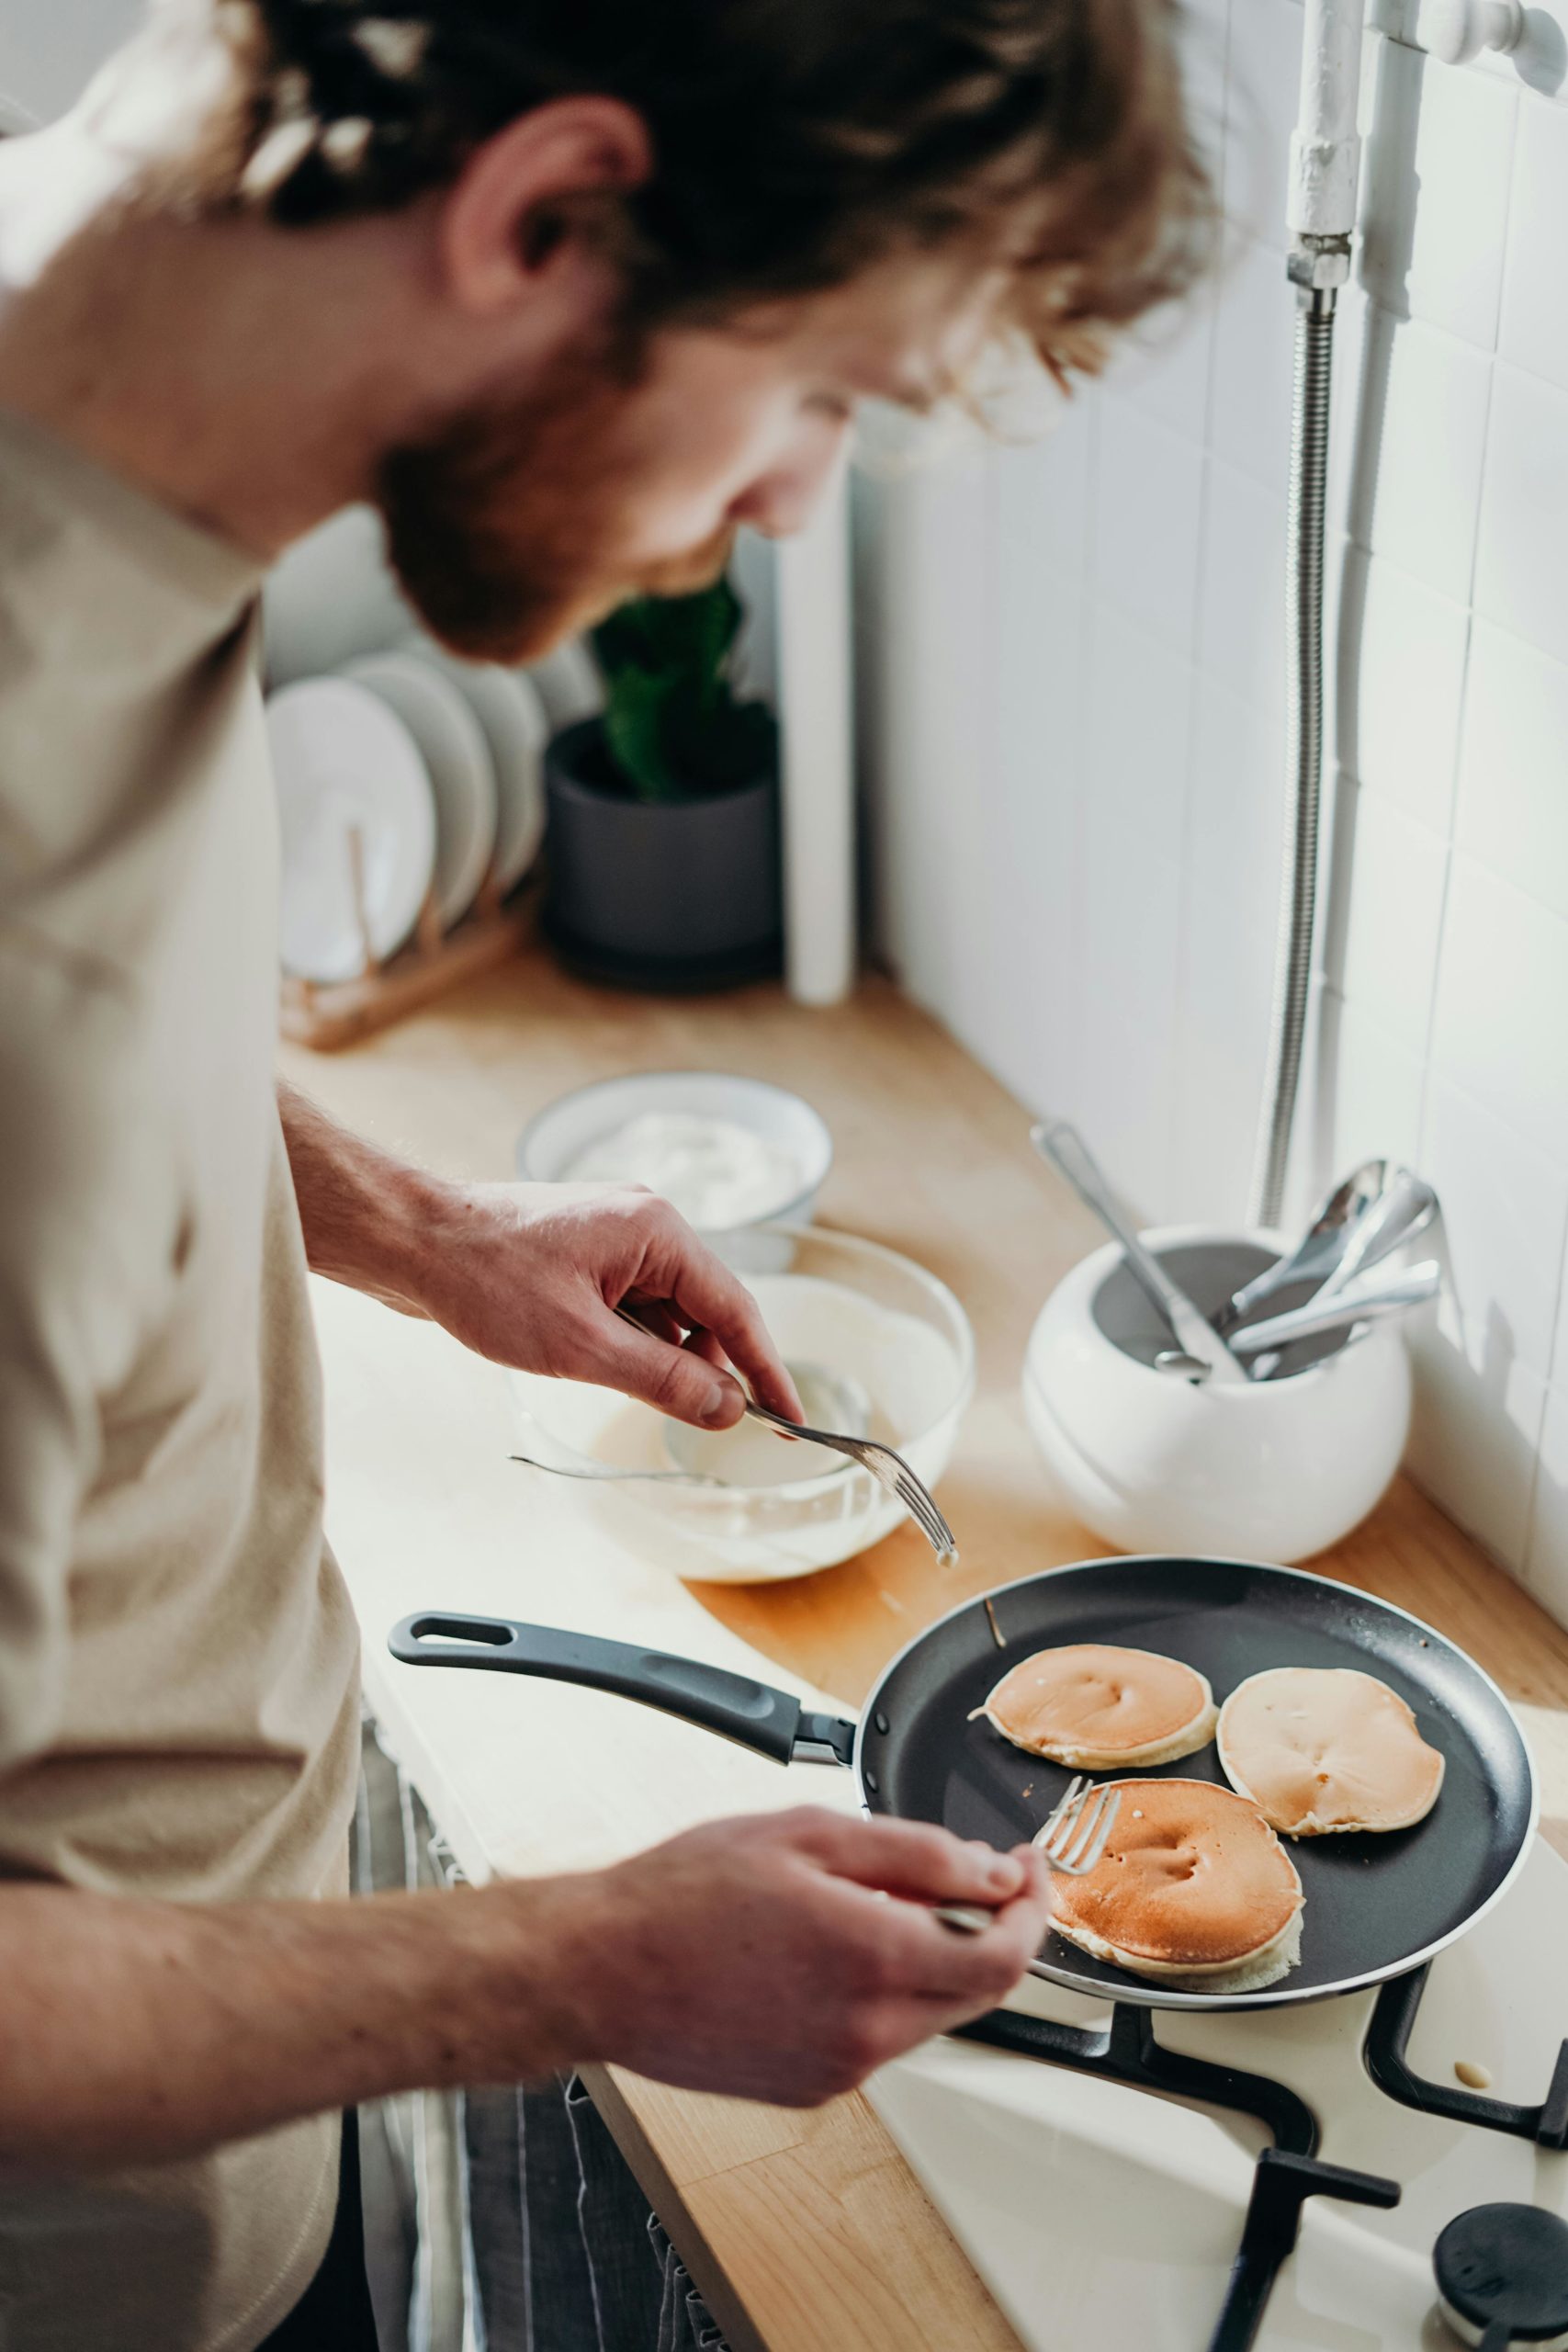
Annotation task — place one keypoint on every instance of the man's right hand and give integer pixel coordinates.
(783, 1956)
(778, 1958)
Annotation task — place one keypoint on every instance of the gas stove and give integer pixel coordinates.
(1135, 2180)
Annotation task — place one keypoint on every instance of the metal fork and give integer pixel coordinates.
(886, 1466)
(1073, 1835)
(1072, 1839)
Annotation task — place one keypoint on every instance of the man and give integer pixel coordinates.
(570, 292)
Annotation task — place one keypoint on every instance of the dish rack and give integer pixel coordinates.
(329, 1014)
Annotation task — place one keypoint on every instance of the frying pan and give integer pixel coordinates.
(1376, 1905)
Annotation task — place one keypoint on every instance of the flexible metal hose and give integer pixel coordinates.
(1304, 743)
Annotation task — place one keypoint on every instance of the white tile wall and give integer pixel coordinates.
(1401, 670)
(1075, 732)
(1535, 328)
(1520, 578)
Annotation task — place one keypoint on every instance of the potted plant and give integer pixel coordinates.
(663, 841)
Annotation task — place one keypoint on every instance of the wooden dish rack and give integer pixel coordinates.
(327, 1015)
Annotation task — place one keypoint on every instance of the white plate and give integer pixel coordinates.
(461, 776)
(508, 707)
(344, 762)
(331, 599)
(569, 684)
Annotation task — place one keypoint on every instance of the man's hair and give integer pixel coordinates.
(796, 142)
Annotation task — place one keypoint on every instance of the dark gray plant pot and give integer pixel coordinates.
(677, 894)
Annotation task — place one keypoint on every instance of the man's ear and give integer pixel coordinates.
(507, 217)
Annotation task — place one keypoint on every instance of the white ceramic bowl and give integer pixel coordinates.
(831, 1298)
(552, 1142)
(1277, 1470)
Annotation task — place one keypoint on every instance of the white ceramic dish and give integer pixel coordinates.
(1270, 1470)
(831, 1298)
(457, 757)
(567, 683)
(559, 1134)
(330, 599)
(511, 712)
(344, 764)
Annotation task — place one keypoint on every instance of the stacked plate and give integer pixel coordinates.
(404, 776)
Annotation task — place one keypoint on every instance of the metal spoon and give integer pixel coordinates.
(1198, 1343)
(1320, 1247)
(1364, 1302)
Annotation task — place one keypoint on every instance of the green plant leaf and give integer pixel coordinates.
(672, 720)
(635, 731)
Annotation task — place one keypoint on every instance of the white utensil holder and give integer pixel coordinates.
(1270, 1470)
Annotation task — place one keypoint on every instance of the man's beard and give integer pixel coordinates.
(506, 526)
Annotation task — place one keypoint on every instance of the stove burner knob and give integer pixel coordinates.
(1503, 2278)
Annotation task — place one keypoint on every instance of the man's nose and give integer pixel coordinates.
(782, 501)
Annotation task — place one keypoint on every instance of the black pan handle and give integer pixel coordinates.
(753, 1713)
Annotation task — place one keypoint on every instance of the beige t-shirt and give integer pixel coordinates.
(178, 1686)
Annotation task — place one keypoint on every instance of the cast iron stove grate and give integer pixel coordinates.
(1290, 2171)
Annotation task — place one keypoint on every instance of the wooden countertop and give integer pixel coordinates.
(803, 2229)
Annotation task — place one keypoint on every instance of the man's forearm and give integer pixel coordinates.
(363, 1211)
(132, 2031)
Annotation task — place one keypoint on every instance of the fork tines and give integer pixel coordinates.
(896, 1475)
(1073, 1835)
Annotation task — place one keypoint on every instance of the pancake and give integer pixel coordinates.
(1100, 1709)
(1322, 1749)
(1193, 1890)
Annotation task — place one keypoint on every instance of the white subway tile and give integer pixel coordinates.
(1148, 510)
(1253, 347)
(1385, 911)
(1535, 315)
(1435, 193)
(1228, 980)
(1228, 977)
(1512, 792)
(1162, 364)
(1213, 1140)
(1521, 576)
(1424, 416)
(1044, 485)
(1499, 1032)
(1477, 1429)
(1546, 1561)
(1237, 819)
(1137, 765)
(1130, 929)
(1264, 73)
(1126, 1101)
(1242, 592)
(1504, 1223)
(1400, 677)
(1365, 1099)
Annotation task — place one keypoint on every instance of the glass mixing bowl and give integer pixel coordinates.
(832, 1299)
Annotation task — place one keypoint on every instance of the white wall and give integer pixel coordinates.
(1074, 677)
(50, 49)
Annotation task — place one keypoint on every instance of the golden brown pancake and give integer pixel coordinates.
(1193, 1889)
(1324, 1749)
(1102, 1709)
